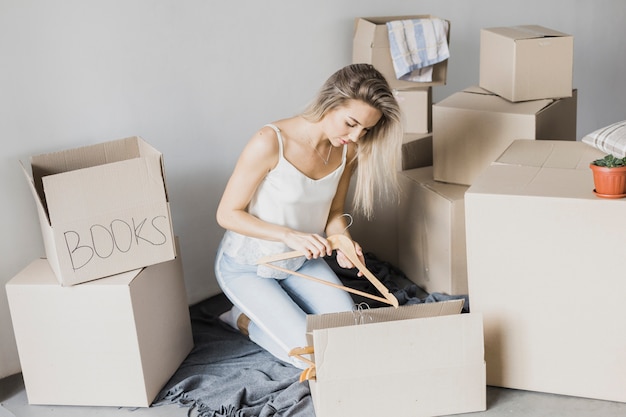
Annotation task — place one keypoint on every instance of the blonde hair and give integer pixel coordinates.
(379, 150)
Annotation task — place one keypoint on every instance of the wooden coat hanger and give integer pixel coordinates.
(345, 245)
(308, 373)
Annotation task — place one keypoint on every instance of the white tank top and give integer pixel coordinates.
(286, 197)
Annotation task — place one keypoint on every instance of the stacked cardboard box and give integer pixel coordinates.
(103, 320)
(525, 92)
(536, 235)
(545, 256)
(431, 232)
(423, 254)
(470, 129)
(474, 126)
(371, 45)
(437, 376)
(530, 62)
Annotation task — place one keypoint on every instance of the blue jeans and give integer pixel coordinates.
(277, 308)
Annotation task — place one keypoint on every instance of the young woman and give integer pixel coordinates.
(288, 191)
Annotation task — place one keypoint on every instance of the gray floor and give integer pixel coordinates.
(500, 402)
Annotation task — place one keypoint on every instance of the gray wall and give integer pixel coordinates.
(195, 78)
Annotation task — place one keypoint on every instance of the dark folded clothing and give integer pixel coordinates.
(393, 279)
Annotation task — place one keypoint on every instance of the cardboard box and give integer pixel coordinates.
(415, 105)
(420, 360)
(417, 150)
(103, 209)
(370, 44)
(526, 62)
(431, 232)
(471, 128)
(545, 262)
(111, 342)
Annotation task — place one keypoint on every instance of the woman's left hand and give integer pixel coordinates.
(344, 262)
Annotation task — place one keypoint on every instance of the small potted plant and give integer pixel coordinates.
(609, 176)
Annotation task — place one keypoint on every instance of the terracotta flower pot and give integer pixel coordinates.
(609, 182)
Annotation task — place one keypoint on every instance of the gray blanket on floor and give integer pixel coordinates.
(227, 375)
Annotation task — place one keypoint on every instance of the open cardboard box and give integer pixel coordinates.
(370, 44)
(418, 360)
(103, 209)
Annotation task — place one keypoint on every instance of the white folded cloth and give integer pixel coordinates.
(416, 45)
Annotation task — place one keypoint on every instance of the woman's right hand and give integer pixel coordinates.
(311, 245)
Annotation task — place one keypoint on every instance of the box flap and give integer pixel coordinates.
(382, 20)
(478, 99)
(83, 157)
(87, 156)
(379, 39)
(412, 137)
(49, 164)
(39, 198)
(424, 177)
(557, 169)
(383, 314)
(526, 32)
(341, 352)
(478, 90)
(364, 31)
(549, 154)
(104, 189)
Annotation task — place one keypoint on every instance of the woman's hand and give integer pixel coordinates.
(311, 245)
(344, 262)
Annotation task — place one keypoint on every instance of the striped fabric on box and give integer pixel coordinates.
(610, 139)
